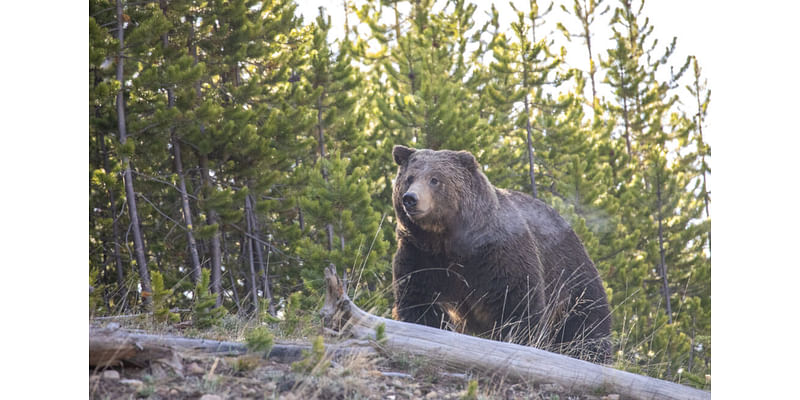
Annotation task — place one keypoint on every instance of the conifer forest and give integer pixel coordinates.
(236, 149)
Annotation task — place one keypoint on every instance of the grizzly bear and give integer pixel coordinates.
(492, 262)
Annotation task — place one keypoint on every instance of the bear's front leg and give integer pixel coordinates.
(423, 313)
(415, 288)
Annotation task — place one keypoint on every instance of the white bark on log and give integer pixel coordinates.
(108, 346)
(494, 358)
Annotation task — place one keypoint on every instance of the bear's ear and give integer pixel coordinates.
(401, 154)
(467, 160)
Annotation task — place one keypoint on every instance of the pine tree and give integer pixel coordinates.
(174, 54)
(343, 201)
(662, 233)
(249, 122)
(575, 178)
(698, 89)
(205, 313)
(341, 226)
(586, 11)
(161, 310)
(424, 70)
(322, 81)
(334, 81)
(150, 24)
(207, 138)
(525, 66)
(105, 186)
(624, 74)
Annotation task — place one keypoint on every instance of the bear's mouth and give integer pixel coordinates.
(414, 213)
(424, 220)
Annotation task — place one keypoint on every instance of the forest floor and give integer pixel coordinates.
(250, 376)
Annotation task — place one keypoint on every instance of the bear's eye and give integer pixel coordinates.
(410, 179)
(434, 181)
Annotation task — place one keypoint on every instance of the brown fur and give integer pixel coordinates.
(490, 261)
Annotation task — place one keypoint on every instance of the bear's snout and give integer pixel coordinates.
(410, 200)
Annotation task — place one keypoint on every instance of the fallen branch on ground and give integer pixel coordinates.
(491, 357)
(112, 345)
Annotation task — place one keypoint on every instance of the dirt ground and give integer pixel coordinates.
(210, 377)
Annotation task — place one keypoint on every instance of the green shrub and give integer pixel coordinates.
(205, 314)
(161, 312)
(260, 340)
(313, 362)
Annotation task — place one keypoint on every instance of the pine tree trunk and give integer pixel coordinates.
(321, 135)
(530, 149)
(234, 291)
(705, 198)
(187, 211)
(193, 52)
(300, 219)
(627, 125)
(216, 257)
(587, 33)
(528, 129)
(234, 278)
(263, 267)
(213, 219)
(322, 155)
(702, 151)
(176, 148)
(267, 289)
(138, 241)
(661, 250)
(250, 257)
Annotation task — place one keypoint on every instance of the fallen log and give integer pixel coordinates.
(491, 357)
(112, 345)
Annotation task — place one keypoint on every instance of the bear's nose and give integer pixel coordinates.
(410, 200)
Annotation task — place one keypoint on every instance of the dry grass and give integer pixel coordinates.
(526, 330)
(354, 376)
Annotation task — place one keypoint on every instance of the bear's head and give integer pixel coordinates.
(432, 187)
